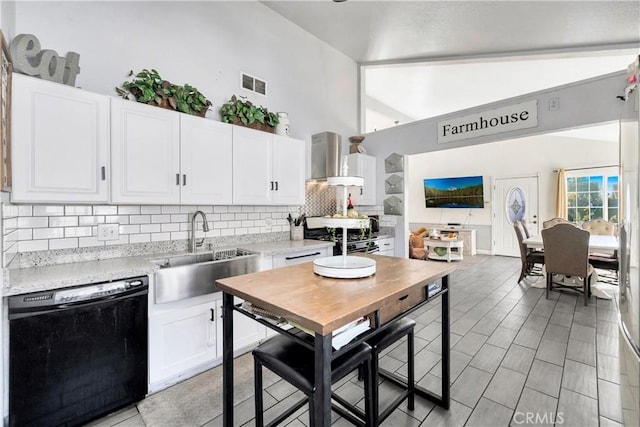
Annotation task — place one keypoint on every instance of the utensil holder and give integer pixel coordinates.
(296, 232)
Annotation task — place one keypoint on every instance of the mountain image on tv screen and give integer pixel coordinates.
(456, 192)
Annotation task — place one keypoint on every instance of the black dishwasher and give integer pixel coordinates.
(76, 354)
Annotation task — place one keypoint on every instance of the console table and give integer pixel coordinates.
(454, 249)
(467, 235)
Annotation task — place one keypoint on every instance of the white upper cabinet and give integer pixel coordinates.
(205, 161)
(267, 169)
(145, 154)
(364, 166)
(288, 170)
(60, 143)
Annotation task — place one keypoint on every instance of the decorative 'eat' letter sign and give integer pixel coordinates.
(30, 59)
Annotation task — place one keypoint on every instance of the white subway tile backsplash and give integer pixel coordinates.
(220, 209)
(33, 222)
(150, 209)
(170, 227)
(179, 218)
(188, 209)
(206, 209)
(85, 242)
(158, 219)
(248, 208)
(128, 210)
(116, 219)
(122, 240)
(248, 223)
(63, 221)
(241, 231)
(149, 228)
(63, 243)
(48, 233)
(253, 216)
(77, 232)
(78, 210)
(227, 232)
(241, 216)
(234, 224)
(105, 210)
(235, 209)
(140, 238)
(227, 217)
(25, 210)
(91, 220)
(130, 229)
(139, 219)
(179, 235)
(11, 236)
(9, 210)
(45, 210)
(170, 209)
(26, 233)
(160, 237)
(33, 245)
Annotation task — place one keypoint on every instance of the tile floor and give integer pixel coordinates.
(516, 359)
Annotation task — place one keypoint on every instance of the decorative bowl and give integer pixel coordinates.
(440, 251)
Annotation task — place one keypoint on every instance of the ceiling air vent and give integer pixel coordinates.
(253, 84)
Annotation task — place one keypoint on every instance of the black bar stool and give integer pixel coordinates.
(379, 342)
(295, 364)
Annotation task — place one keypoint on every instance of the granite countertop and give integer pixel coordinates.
(33, 279)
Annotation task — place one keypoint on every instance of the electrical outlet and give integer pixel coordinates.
(108, 232)
(554, 104)
(268, 222)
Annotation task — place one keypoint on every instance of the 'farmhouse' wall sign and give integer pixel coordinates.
(29, 58)
(513, 117)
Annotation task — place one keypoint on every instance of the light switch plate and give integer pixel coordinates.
(108, 232)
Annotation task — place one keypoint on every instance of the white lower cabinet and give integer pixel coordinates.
(185, 340)
(293, 258)
(387, 246)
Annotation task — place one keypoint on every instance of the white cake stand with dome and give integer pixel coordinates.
(345, 266)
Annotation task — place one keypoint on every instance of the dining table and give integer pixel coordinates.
(596, 242)
(321, 305)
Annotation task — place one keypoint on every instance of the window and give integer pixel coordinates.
(593, 196)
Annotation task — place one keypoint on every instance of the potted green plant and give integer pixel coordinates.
(187, 99)
(149, 88)
(241, 111)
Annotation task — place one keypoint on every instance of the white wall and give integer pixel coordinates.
(205, 44)
(512, 158)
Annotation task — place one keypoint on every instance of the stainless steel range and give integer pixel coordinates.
(357, 240)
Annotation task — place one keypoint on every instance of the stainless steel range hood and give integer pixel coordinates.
(325, 155)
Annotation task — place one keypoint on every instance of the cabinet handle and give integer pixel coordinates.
(103, 171)
(271, 185)
(177, 179)
(403, 298)
(184, 179)
(213, 314)
(302, 256)
(276, 185)
(361, 191)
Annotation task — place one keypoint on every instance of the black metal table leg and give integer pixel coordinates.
(321, 407)
(227, 359)
(446, 369)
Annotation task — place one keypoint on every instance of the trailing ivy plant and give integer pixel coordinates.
(246, 112)
(148, 87)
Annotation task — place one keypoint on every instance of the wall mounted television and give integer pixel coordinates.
(455, 192)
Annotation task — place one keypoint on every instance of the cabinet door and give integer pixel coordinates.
(205, 161)
(145, 154)
(387, 246)
(288, 170)
(60, 149)
(182, 339)
(364, 166)
(247, 333)
(252, 182)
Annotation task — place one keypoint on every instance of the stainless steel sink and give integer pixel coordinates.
(187, 276)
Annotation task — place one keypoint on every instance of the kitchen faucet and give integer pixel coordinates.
(205, 228)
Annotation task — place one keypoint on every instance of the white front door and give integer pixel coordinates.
(514, 199)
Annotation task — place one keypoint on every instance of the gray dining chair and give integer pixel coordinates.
(528, 257)
(566, 252)
(553, 221)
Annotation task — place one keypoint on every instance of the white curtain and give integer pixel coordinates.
(561, 195)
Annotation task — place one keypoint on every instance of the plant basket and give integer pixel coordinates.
(255, 125)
